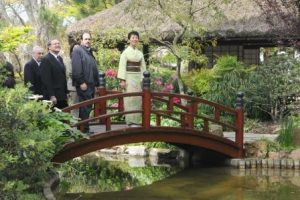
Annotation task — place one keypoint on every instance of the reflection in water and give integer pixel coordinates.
(91, 175)
(190, 184)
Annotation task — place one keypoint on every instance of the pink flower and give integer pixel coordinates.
(165, 89)
(176, 100)
(170, 86)
(158, 82)
(115, 105)
(111, 73)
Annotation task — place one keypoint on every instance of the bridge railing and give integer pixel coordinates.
(187, 113)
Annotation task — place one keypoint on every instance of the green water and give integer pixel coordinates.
(116, 180)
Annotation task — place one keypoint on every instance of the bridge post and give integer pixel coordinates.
(239, 134)
(146, 100)
(190, 118)
(100, 108)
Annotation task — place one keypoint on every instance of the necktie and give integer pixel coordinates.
(60, 60)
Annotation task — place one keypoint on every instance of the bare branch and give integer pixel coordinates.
(16, 14)
(204, 7)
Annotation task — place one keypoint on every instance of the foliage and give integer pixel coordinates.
(30, 135)
(83, 8)
(107, 58)
(111, 79)
(164, 80)
(3, 72)
(221, 83)
(199, 80)
(274, 86)
(49, 18)
(111, 37)
(13, 36)
(229, 77)
(98, 175)
(95, 174)
(289, 128)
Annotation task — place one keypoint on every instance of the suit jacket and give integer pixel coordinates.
(53, 74)
(32, 74)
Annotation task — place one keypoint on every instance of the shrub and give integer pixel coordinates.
(30, 135)
(275, 85)
(288, 132)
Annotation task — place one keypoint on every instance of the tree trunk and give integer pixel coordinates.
(179, 80)
(19, 67)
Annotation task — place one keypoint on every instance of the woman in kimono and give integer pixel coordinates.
(131, 68)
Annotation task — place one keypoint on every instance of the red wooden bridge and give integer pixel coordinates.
(191, 126)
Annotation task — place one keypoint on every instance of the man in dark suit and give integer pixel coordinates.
(32, 71)
(53, 74)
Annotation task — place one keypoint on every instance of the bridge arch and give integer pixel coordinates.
(135, 135)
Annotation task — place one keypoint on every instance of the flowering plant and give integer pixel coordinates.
(112, 81)
(166, 84)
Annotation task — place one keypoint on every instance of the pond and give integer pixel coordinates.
(92, 179)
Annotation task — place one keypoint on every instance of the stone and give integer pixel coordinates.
(216, 129)
(108, 151)
(297, 164)
(247, 163)
(277, 164)
(120, 149)
(234, 162)
(136, 150)
(156, 151)
(289, 163)
(242, 164)
(253, 163)
(283, 163)
(257, 149)
(136, 161)
(295, 154)
(264, 163)
(270, 163)
(274, 155)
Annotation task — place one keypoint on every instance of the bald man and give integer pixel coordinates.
(32, 71)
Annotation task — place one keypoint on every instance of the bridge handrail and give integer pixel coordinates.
(101, 98)
(194, 99)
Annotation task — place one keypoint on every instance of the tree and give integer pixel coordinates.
(12, 37)
(28, 12)
(83, 8)
(274, 88)
(283, 17)
(184, 34)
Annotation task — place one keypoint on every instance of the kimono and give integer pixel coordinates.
(131, 68)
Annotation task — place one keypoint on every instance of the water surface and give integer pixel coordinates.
(119, 181)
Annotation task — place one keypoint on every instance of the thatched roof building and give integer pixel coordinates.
(243, 25)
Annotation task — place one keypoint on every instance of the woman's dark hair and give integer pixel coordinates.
(133, 33)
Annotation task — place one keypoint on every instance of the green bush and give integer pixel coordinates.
(30, 135)
(229, 77)
(288, 132)
(274, 87)
(221, 83)
(199, 80)
(108, 59)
